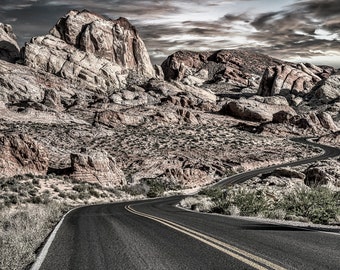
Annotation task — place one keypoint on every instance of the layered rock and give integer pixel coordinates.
(327, 90)
(332, 139)
(290, 78)
(274, 185)
(257, 109)
(20, 154)
(315, 121)
(111, 118)
(323, 173)
(9, 48)
(239, 67)
(84, 46)
(96, 167)
(186, 172)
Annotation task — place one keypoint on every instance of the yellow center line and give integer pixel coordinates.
(228, 249)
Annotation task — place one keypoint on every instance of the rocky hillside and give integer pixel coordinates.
(84, 101)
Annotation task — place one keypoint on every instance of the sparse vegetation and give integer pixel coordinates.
(317, 205)
(31, 206)
(23, 229)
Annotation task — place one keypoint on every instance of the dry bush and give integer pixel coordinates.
(22, 230)
(199, 203)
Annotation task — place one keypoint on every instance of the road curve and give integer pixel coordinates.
(154, 234)
(328, 152)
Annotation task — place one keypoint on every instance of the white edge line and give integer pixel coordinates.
(42, 254)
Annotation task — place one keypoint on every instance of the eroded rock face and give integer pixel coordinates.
(186, 172)
(257, 109)
(112, 118)
(242, 68)
(315, 121)
(20, 154)
(327, 91)
(9, 49)
(85, 46)
(323, 173)
(289, 78)
(96, 167)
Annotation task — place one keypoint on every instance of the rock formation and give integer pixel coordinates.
(315, 121)
(88, 47)
(291, 79)
(327, 90)
(96, 166)
(9, 49)
(20, 154)
(257, 108)
(323, 173)
(238, 67)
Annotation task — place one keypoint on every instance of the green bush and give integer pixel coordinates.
(319, 205)
(250, 203)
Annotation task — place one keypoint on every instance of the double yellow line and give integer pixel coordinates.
(239, 254)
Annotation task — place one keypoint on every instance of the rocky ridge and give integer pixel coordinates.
(89, 84)
(88, 47)
(9, 48)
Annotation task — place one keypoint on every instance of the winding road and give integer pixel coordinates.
(154, 234)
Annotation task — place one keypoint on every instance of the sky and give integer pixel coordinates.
(293, 30)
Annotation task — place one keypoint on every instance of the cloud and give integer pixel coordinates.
(286, 29)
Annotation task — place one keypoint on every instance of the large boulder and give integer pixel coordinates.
(239, 67)
(291, 79)
(9, 49)
(315, 121)
(258, 109)
(111, 118)
(323, 173)
(84, 46)
(327, 90)
(96, 167)
(20, 154)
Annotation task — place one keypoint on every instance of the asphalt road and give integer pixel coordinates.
(154, 234)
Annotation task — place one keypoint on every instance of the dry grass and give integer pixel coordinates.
(23, 229)
(199, 203)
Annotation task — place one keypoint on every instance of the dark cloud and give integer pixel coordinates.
(302, 28)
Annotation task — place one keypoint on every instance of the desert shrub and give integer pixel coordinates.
(319, 205)
(214, 193)
(84, 196)
(94, 193)
(10, 199)
(134, 190)
(200, 203)
(62, 194)
(23, 230)
(72, 196)
(36, 199)
(80, 187)
(250, 203)
(36, 182)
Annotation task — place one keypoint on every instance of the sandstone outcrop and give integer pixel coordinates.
(323, 173)
(113, 118)
(96, 167)
(259, 109)
(9, 48)
(327, 90)
(291, 79)
(20, 154)
(242, 68)
(315, 121)
(84, 46)
(183, 171)
(273, 186)
(332, 139)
